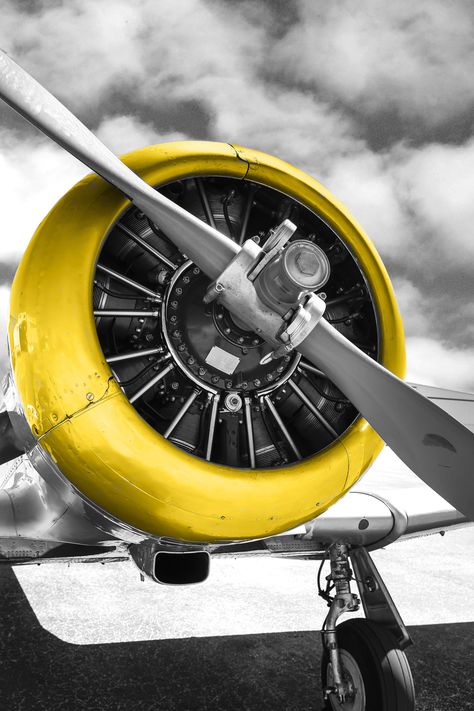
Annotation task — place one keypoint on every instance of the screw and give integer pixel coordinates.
(191, 360)
(196, 270)
(149, 337)
(202, 371)
(228, 384)
(173, 319)
(181, 347)
(241, 339)
(186, 280)
(269, 376)
(226, 330)
(174, 304)
(257, 382)
(90, 396)
(215, 379)
(176, 333)
(280, 369)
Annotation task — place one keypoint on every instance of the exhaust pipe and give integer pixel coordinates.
(171, 566)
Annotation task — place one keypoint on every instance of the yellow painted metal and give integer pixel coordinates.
(85, 422)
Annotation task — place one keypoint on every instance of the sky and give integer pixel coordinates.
(373, 99)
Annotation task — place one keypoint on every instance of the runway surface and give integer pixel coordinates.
(95, 637)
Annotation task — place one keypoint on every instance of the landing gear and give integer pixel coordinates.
(375, 671)
(363, 666)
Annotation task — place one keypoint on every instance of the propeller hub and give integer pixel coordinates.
(302, 267)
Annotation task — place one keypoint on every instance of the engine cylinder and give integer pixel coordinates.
(121, 387)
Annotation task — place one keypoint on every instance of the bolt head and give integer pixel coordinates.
(307, 262)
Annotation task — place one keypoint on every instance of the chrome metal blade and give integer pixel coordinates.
(204, 245)
(438, 448)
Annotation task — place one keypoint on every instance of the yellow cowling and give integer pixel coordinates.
(82, 418)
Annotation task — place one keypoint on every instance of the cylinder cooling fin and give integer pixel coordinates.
(156, 406)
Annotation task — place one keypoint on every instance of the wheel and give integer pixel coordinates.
(376, 667)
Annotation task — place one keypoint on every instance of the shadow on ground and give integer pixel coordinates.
(251, 672)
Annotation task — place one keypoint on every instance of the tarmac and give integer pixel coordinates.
(95, 637)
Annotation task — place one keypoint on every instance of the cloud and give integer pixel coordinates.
(78, 49)
(432, 362)
(411, 58)
(436, 184)
(305, 85)
(413, 307)
(363, 181)
(127, 133)
(33, 176)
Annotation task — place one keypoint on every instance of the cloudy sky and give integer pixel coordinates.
(375, 100)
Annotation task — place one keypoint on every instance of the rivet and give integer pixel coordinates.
(90, 396)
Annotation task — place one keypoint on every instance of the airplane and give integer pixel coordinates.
(206, 356)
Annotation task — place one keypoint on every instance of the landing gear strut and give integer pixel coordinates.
(364, 667)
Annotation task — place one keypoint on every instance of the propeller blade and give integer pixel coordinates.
(432, 443)
(436, 447)
(210, 249)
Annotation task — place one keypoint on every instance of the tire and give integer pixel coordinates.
(378, 668)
